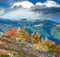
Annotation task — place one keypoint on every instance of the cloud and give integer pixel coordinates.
(2, 11)
(48, 12)
(24, 4)
(38, 25)
(20, 13)
(27, 10)
(39, 4)
(8, 3)
(48, 3)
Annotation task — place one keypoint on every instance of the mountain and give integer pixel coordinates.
(46, 28)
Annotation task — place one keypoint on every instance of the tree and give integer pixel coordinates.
(22, 35)
(11, 34)
(32, 38)
(37, 38)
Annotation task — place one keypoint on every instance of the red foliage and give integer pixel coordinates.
(11, 34)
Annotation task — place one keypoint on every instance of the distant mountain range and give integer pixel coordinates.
(46, 28)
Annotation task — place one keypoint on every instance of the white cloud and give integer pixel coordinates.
(48, 3)
(24, 4)
(26, 11)
(38, 25)
(58, 25)
(2, 12)
(51, 4)
(39, 4)
(20, 13)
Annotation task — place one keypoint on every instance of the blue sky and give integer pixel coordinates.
(30, 9)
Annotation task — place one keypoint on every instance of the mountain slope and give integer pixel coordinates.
(45, 28)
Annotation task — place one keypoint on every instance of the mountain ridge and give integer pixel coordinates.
(43, 27)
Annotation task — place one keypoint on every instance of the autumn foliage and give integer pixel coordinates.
(11, 34)
(34, 40)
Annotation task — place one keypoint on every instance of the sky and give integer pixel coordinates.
(30, 9)
(6, 3)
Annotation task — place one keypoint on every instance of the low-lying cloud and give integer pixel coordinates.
(20, 13)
